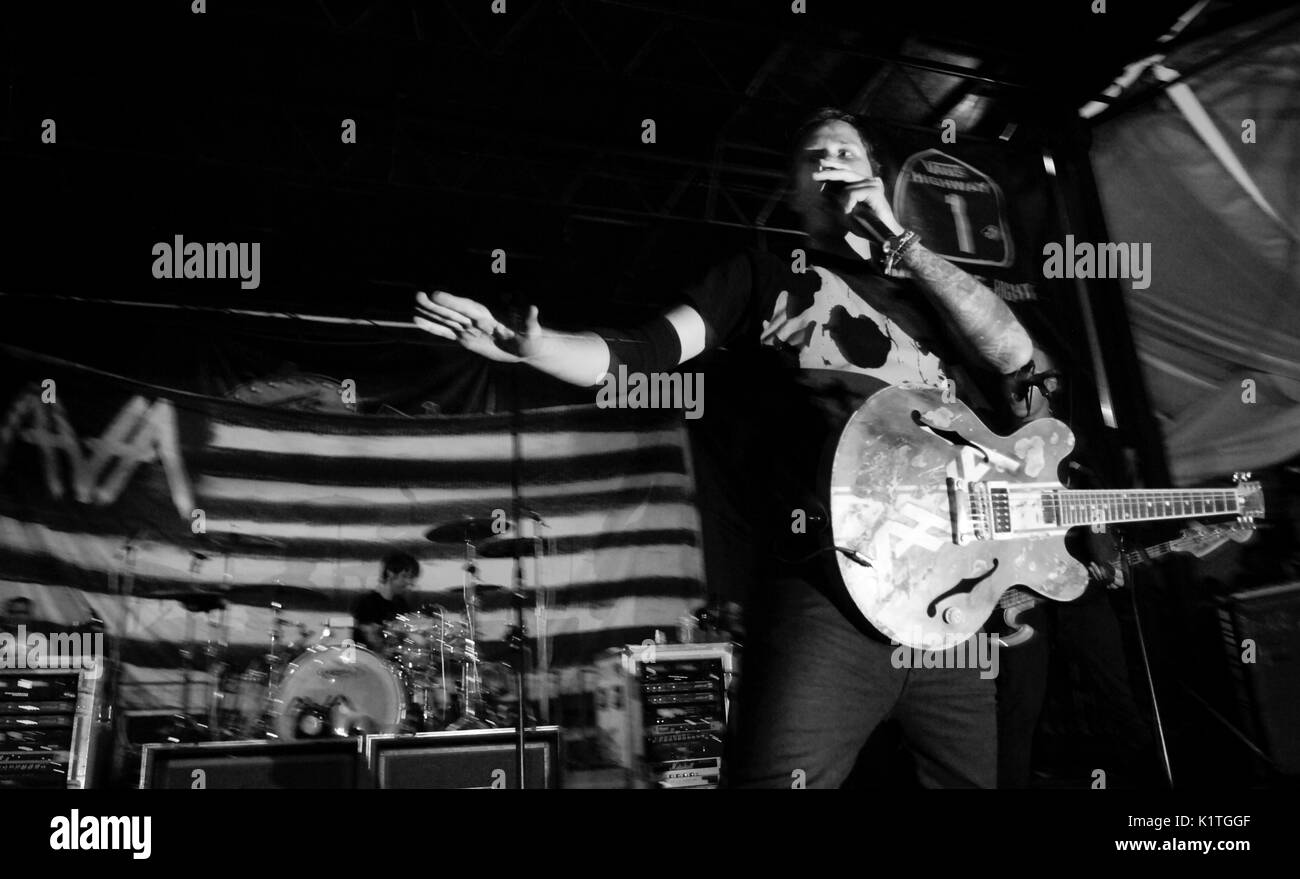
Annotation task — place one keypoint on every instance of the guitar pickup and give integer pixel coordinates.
(967, 499)
(963, 527)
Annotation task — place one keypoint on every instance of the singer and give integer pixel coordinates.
(871, 308)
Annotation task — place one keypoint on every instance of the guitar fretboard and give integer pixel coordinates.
(1067, 507)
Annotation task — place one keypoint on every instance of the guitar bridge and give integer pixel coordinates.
(970, 506)
(968, 499)
(980, 511)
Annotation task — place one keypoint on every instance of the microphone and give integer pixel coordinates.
(862, 215)
(867, 220)
(1047, 381)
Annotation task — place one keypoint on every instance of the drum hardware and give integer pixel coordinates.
(516, 637)
(536, 546)
(197, 601)
(273, 595)
(469, 532)
(122, 585)
(274, 661)
(185, 726)
(473, 709)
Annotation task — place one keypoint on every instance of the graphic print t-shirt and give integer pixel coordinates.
(374, 608)
(806, 349)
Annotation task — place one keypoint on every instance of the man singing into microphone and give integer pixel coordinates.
(863, 307)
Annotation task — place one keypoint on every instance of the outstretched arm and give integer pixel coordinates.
(581, 358)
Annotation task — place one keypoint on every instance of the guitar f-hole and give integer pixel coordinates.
(965, 585)
(950, 436)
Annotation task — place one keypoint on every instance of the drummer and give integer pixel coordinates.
(372, 611)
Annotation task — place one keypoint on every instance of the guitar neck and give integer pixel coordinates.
(1069, 507)
(1154, 551)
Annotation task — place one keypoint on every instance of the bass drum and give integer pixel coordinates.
(338, 691)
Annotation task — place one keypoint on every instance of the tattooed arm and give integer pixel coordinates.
(974, 312)
(979, 319)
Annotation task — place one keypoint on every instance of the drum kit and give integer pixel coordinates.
(425, 672)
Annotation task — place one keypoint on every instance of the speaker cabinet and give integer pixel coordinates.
(481, 758)
(1268, 687)
(330, 764)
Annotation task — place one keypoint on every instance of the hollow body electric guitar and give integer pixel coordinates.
(935, 516)
(1016, 601)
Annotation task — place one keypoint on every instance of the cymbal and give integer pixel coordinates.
(229, 541)
(506, 547)
(281, 593)
(195, 600)
(467, 530)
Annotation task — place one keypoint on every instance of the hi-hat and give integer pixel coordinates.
(467, 530)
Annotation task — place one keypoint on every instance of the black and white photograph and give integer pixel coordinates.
(645, 395)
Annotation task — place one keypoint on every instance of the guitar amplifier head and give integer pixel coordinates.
(480, 758)
(328, 764)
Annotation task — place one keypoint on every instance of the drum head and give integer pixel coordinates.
(346, 689)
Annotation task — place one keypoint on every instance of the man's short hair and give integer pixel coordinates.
(400, 563)
(820, 117)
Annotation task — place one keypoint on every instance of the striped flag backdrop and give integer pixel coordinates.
(100, 476)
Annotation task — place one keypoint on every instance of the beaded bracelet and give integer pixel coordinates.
(897, 246)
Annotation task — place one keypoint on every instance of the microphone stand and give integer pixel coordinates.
(111, 716)
(1166, 766)
(517, 637)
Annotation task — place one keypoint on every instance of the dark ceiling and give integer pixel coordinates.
(478, 131)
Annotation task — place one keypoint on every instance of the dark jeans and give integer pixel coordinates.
(1022, 687)
(1086, 632)
(815, 682)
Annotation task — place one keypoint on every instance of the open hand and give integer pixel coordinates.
(475, 328)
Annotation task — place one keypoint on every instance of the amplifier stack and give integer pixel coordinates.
(483, 758)
(48, 728)
(662, 710)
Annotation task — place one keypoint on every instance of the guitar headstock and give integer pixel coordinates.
(1201, 540)
(1250, 498)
